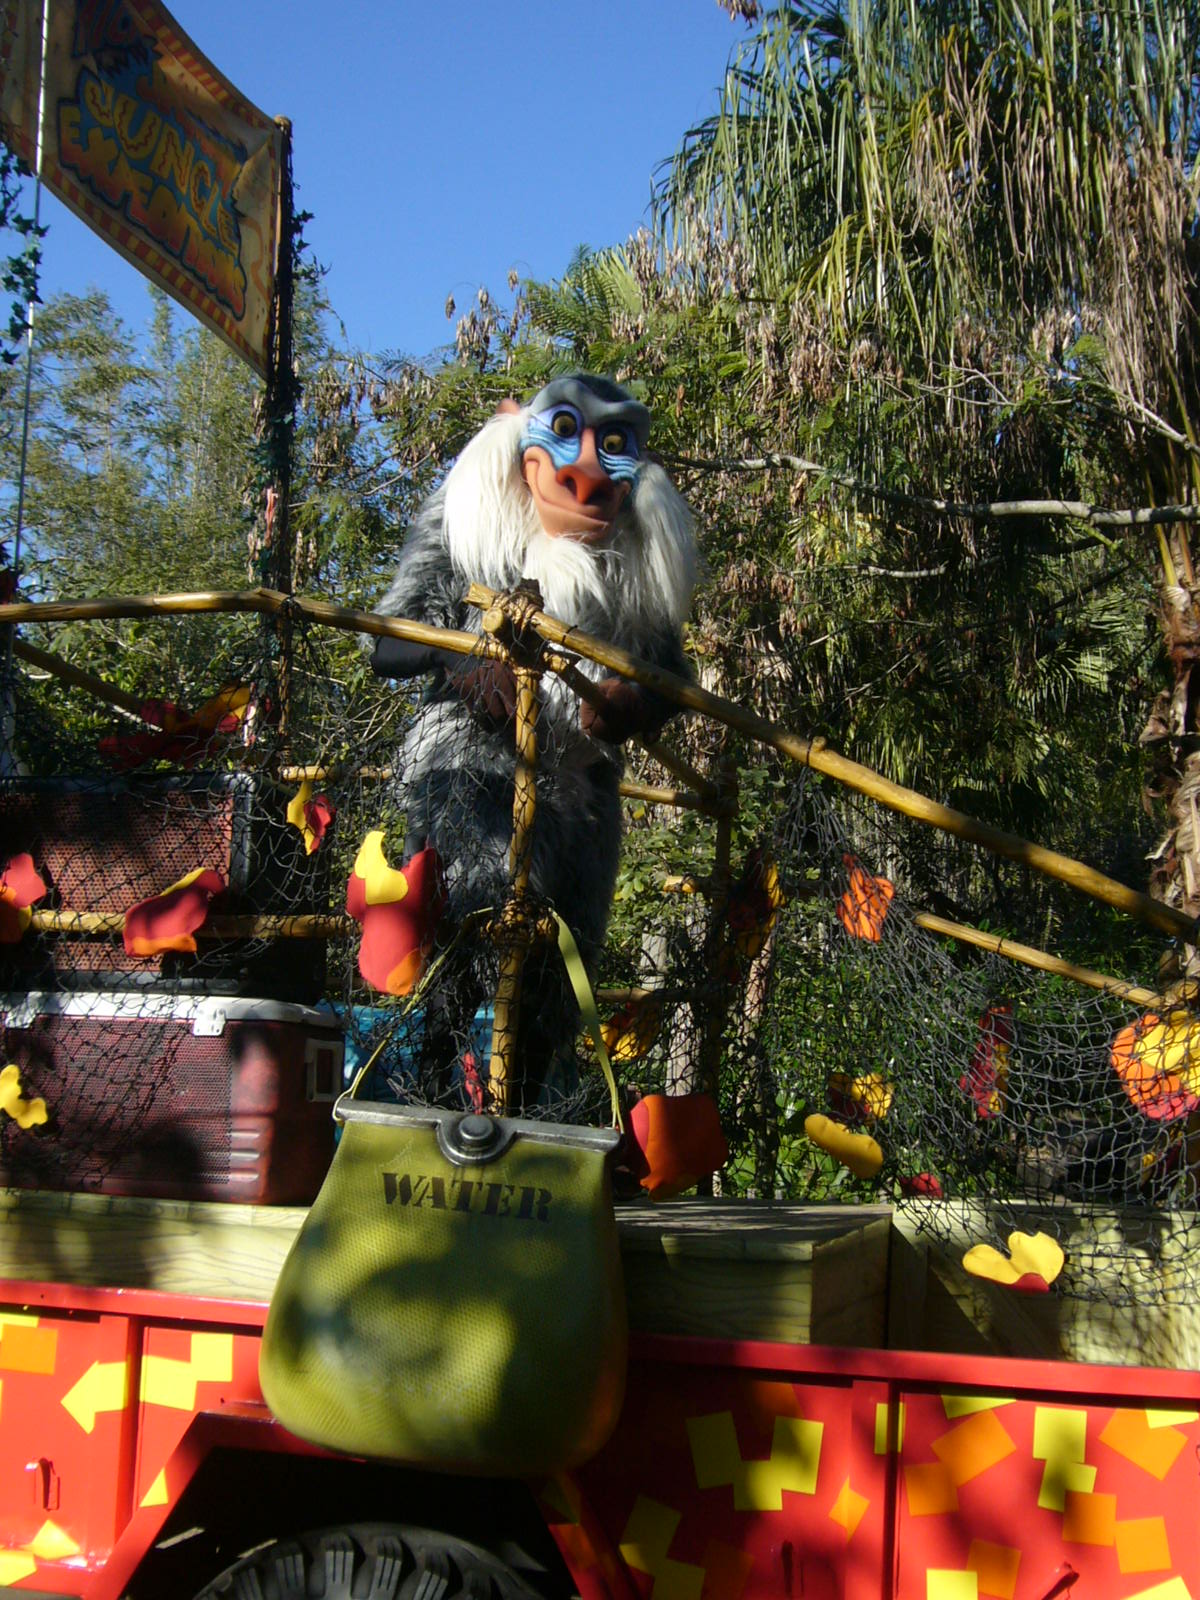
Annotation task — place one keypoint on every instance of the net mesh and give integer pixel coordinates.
(782, 956)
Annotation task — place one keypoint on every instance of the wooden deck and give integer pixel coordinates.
(836, 1275)
(747, 1270)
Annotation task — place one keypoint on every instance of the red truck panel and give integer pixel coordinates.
(737, 1471)
(744, 1471)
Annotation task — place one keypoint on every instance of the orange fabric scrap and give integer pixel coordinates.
(864, 1099)
(675, 1140)
(1033, 1262)
(755, 902)
(168, 921)
(399, 911)
(21, 886)
(864, 906)
(1158, 1062)
(630, 1033)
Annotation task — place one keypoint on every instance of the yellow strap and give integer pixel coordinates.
(581, 984)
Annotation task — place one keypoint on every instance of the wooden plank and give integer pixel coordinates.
(201, 1248)
(822, 1275)
(850, 1286)
(721, 1269)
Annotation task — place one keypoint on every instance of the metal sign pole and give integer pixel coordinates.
(8, 714)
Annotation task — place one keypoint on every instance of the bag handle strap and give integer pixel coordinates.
(586, 1000)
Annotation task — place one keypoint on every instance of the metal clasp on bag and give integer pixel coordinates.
(474, 1138)
(469, 1138)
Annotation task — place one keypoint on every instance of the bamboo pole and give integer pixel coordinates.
(279, 428)
(680, 798)
(335, 772)
(589, 691)
(104, 924)
(513, 937)
(267, 602)
(814, 753)
(716, 997)
(309, 925)
(809, 753)
(96, 687)
(1028, 956)
(686, 773)
(972, 510)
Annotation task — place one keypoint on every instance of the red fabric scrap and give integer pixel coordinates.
(21, 886)
(398, 934)
(177, 735)
(319, 813)
(985, 1080)
(922, 1183)
(169, 921)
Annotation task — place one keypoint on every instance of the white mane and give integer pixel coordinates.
(641, 577)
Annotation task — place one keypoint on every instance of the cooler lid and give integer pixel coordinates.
(207, 1014)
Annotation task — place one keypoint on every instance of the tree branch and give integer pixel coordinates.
(972, 510)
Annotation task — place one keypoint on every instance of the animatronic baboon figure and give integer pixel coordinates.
(559, 491)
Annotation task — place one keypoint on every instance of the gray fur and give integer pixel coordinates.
(458, 770)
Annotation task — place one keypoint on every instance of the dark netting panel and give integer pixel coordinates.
(783, 958)
(1003, 1098)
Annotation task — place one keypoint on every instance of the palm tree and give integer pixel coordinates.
(974, 223)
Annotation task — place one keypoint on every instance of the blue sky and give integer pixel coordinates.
(439, 146)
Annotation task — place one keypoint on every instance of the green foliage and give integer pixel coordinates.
(18, 270)
(142, 479)
(134, 481)
(921, 253)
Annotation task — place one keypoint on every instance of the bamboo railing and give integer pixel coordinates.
(566, 645)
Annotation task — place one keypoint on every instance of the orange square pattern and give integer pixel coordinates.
(930, 1490)
(27, 1349)
(995, 1565)
(1142, 1545)
(1155, 1450)
(1090, 1518)
(973, 1446)
(849, 1509)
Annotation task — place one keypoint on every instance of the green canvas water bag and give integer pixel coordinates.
(454, 1297)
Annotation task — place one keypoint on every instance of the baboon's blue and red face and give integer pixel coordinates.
(581, 452)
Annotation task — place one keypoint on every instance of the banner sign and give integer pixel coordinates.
(146, 141)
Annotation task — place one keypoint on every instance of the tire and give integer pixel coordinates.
(369, 1561)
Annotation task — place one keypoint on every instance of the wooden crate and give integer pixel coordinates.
(757, 1270)
(743, 1270)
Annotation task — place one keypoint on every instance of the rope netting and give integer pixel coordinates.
(263, 835)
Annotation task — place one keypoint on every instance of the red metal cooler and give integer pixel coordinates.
(201, 1098)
